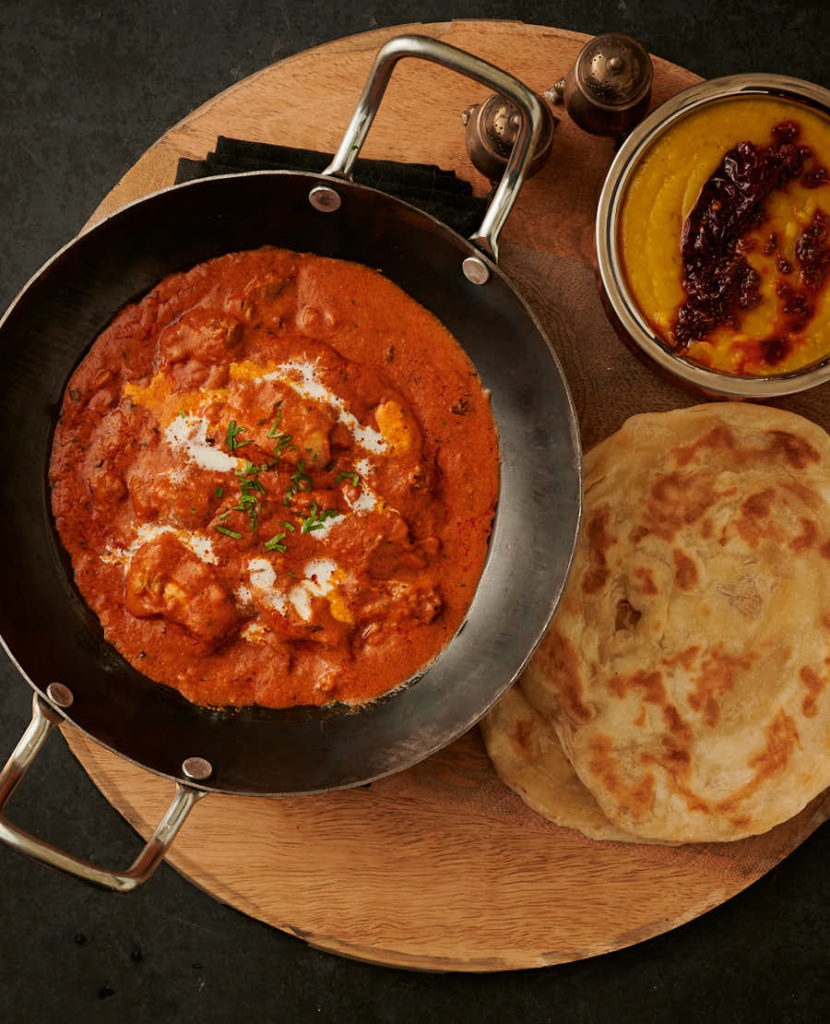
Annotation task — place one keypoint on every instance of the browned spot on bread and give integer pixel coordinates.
(825, 620)
(679, 736)
(753, 522)
(814, 684)
(782, 737)
(676, 758)
(563, 671)
(599, 541)
(685, 571)
(693, 801)
(808, 536)
(679, 730)
(718, 437)
(824, 550)
(686, 658)
(627, 615)
(806, 494)
(759, 505)
(646, 577)
(522, 733)
(706, 529)
(640, 720)
(651, 683)
(797, 452)
(679, 499)
(632, 800)
(677, 763)
(717, 677)
(638, 533)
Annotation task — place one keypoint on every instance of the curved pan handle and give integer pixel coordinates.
(486, 238)
(44, 719)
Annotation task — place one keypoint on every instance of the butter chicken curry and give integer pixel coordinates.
(275, 477)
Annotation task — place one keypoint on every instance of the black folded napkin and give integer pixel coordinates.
(439, 193)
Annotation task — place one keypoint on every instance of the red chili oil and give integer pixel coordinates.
(717, 277)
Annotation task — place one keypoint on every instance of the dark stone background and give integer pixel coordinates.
(85, 88)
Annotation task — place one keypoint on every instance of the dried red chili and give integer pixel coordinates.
(717, 277)
(812, 252)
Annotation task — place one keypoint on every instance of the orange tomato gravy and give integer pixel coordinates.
(275, 477)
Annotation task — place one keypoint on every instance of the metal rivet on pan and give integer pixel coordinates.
(59, 695)
(475, 270)
(324, 199)
(197, 768)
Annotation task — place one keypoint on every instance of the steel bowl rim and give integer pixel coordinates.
(609, 206)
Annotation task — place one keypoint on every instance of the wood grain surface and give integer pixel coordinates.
(441, 867)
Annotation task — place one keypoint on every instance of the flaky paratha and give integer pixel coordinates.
(528, 757)
(688, 663)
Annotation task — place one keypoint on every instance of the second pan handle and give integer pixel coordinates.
(487, 236)
(44, 719)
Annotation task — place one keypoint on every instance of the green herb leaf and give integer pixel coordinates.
(354, 477)
(301, 480)
(232, 437)
(273, 431)
(317, 518)
(228, 533)
(219, 492)
(274, 543)
(283, 443)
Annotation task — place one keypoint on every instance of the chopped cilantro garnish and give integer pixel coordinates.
(288, 526)
(301, 478)
(253, 484)
(274, 543)
(283, 443)
(317, 518)
(300, 481)
(246, 502)
(354, 477)
(272, 433)
(219, 492)
(228, 533)
(232, 437)
(250, 487)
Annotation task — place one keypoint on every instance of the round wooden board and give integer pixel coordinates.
(441, 867)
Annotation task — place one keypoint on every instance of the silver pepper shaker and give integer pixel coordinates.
(608, 89)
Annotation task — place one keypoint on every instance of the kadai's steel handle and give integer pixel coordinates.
(532, 115)
(44, 719)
